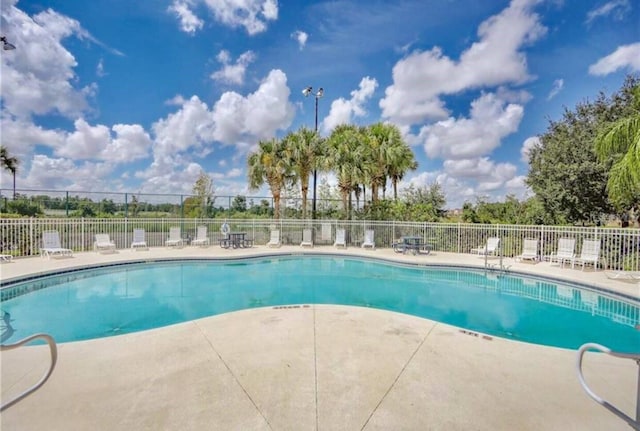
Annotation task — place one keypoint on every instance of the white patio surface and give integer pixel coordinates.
(313, 367)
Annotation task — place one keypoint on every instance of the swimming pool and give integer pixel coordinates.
(126, 298)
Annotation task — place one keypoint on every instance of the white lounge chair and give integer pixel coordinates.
(529, 250)
(340, 239)
(175, 238)
(139, 240)
(104, 243)
(51, 245)
(369, 239)
(590, 254)
(490, 248)
(6, 258)
(274, 241)
(307, 238)
(565, 253)
(201, 238)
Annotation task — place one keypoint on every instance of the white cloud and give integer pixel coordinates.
(188, 128)
(420, 78)
(259, 114)
(39, 77)
(618, 9)
(625, 56)
(490, 120)
(343, 111)
(301, 37)
(189, 22)
(232, 73)
(527, 145)
(253, 15)
(233, 120)
(558, 84)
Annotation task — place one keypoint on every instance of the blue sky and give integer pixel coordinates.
(141, 96)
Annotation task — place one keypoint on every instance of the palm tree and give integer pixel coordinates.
(401, 160)
(303, 150)
(269, 164)
(344, 156)
(10, 164)
(382, 138)
(621, 140)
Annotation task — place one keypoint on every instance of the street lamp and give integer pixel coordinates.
(307, 91)
(6, 45)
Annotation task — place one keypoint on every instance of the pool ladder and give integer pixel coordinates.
(635, 424)
(54, 358)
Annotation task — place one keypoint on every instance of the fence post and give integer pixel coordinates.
(31, 247)
(126, 206)
(82, 232)
(66, 204)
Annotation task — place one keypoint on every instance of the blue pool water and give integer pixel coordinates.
(127, 298)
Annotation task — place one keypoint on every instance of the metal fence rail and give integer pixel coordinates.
(620, 247)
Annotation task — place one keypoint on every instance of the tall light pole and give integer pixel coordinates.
(307, 91)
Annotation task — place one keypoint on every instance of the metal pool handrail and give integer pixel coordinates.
(635, 424)
(54, 358)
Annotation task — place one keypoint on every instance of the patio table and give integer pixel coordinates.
(414, 244)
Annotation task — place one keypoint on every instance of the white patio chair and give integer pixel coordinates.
(340, 239)
(490, 248)
(175, 238)
(368, 239)
(274, 241)
(103, 243)
(139, 241)
(529, 250)
(51, 245)
(307, 238)
(6, 258)
(590, 254)
(565, 253)
(201, 239)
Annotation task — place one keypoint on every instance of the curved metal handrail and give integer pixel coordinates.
(635, 424)
(54, 358)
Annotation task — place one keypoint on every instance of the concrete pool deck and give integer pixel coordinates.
(313, 367)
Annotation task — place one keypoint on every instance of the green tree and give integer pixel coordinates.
(400, 160)
(303, 151)
(9, 163)
(239, 204)
(344, 157)
(269, 164)
(619, 140)
(564, 171)
(203, 197)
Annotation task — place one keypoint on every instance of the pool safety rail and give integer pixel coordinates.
(54, 358)
(633, 423)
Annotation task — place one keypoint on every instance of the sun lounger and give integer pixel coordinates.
(490, 248)
(529, 250)
(103, 243)
(51, 245)
(201, 238)
(274, 241)
(565, 253)
(590, 254)
(307, 238)
(6, 258)
(139, 241)
(175, 238)
(340, 239)
(368, 239)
